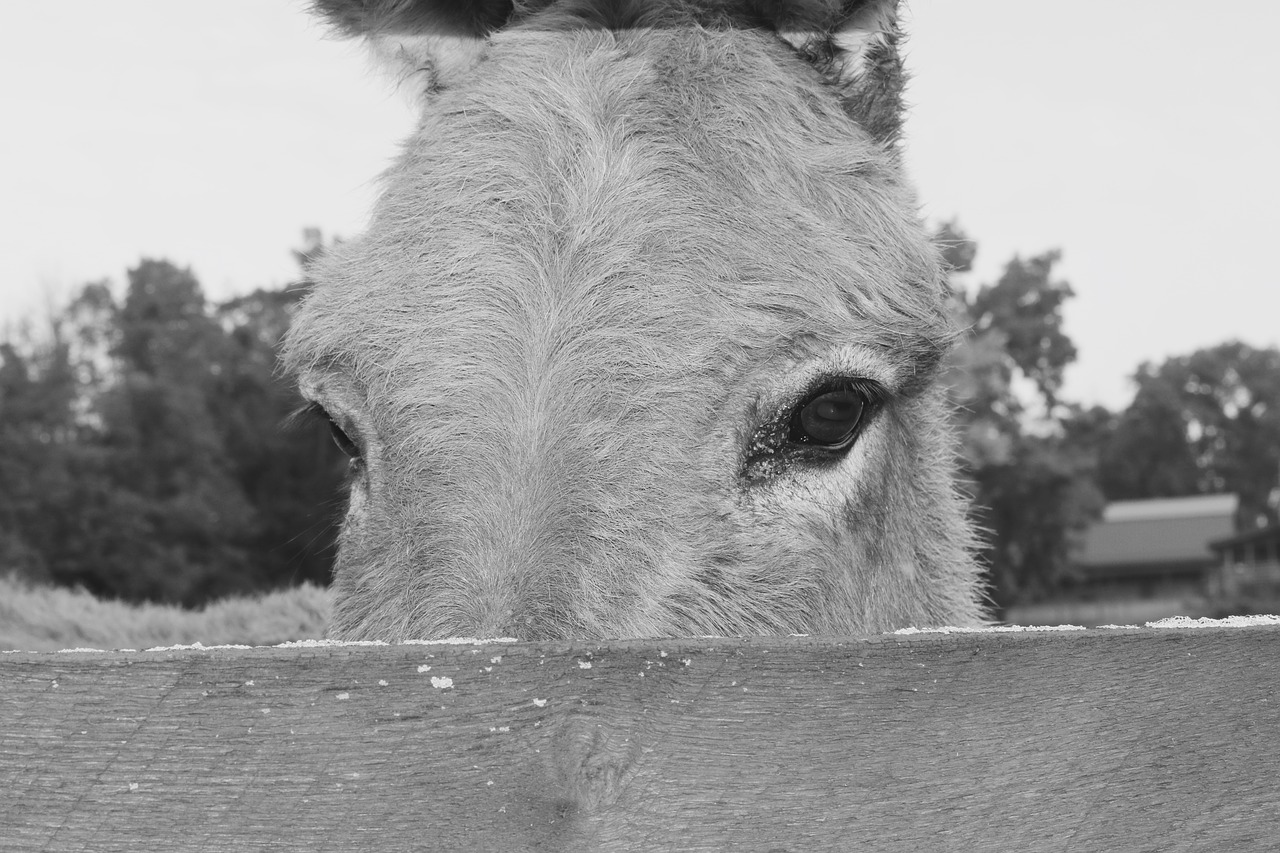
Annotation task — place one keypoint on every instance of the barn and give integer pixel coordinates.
(1146, 560)
(1157, 548)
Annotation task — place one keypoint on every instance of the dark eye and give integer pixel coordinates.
(349, 448)
(830, 419)
(340, 438)
(817, 430)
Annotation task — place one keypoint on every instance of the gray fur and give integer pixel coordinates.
(604, 261)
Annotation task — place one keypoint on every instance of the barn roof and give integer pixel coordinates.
(1155, 534)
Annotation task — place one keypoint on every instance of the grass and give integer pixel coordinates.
(46, 618)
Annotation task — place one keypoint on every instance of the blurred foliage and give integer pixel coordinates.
(1031, 469)
(1041, 469)
(145, 449)
(1203, 423)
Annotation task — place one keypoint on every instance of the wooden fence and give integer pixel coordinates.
(1106, 740)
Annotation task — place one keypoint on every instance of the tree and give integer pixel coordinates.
(38, 434)
(1202, 423)
(148, 451)
(1025, 306)
(1036, 505)
(162, 518)
(287, 466)
(1032, 476)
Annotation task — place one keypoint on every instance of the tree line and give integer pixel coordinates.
(148, 449)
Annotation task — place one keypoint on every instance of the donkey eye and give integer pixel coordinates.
(340, 438)
(344, 442)
(830, 419)
(816, 431)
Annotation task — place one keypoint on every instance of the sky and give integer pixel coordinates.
(1139, 138)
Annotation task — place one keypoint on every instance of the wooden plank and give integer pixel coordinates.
(1152, 739)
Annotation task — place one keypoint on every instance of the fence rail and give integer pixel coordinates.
(1144, 739)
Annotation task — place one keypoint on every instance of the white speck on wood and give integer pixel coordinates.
(989, 629)
(193, 647)
(382, 682)
(1171, 622)
(1229, 622)
(344, 695)
(424, 668)
(584, 664)
(541, 703)
(441, 683)
(316, 644)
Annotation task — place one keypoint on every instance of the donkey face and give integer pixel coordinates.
(643, 337)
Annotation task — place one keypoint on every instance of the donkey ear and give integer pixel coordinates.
(855, 46)
(437, 39)
(852, 42)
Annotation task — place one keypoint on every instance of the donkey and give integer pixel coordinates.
(643, 338)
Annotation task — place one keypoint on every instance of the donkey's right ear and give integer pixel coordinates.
(431, 42)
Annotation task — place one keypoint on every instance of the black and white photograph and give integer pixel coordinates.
(639, 425)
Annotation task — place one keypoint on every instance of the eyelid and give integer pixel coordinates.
(872, 391)
(309, 410)
(797, 381)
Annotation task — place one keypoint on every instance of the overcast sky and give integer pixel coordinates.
(1141, 138)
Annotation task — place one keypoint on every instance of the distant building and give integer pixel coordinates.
(1248, 565)
(1155, 548)
(1150, 559)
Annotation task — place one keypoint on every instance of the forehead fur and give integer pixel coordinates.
(696, 183)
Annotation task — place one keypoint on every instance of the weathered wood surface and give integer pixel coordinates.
(1161, 740)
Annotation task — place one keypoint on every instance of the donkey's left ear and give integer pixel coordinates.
(855, 46)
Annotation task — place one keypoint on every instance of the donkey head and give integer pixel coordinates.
(643, 337)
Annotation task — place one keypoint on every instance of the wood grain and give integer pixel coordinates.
(1161, 740)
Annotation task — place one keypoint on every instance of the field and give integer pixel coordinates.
(40, 618)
